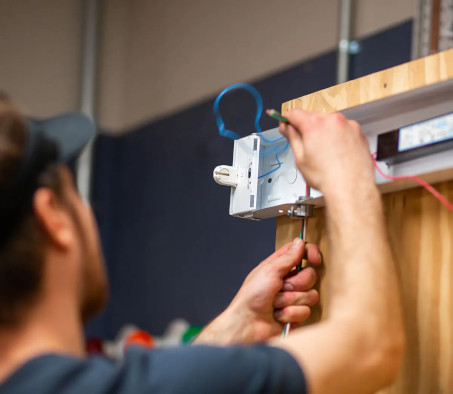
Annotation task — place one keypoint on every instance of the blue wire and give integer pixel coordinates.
(278, 161)
(259, 110)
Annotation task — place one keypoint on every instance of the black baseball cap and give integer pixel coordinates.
(53, 141)
(69, 132)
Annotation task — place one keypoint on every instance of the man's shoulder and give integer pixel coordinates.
(53, 372)
(184, 369)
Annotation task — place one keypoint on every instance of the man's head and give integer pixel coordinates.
(46, 230)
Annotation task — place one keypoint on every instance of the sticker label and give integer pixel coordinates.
(426, 133)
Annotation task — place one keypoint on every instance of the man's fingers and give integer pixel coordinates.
(297, 117)
(305, 121)
(292, 314)
(312, 254)
(294, 137)
(289, 131)
(290, 298)
(289, 259)
(291, 254)
(302, 281)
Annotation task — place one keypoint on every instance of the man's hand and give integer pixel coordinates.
(271, 295)
(331, 151)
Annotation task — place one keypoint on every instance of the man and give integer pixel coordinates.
(52, 279)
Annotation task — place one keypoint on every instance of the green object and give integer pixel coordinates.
(191, 333)
(276, 115)
(301, 236)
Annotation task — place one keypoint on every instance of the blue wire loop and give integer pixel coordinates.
(259, 110)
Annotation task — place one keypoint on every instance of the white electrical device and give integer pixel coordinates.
(255, 196)
(283, 192)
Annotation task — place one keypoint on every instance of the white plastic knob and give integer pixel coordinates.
(226, 175)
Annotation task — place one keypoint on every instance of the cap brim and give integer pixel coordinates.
(71, 132)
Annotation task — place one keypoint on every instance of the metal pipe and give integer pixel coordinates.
(435, 22)
(416, 30)
(344, 40)
(88, 93)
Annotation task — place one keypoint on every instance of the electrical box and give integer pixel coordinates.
(412, 134)
(253, 195)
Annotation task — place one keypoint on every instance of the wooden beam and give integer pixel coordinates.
(400, 79)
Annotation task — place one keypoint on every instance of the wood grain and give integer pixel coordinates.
(420, 232)
(386, 83)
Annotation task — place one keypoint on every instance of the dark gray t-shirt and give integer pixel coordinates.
(187, 369)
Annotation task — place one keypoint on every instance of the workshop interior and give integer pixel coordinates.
(188, 175)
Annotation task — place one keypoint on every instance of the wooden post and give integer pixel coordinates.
(420, 231)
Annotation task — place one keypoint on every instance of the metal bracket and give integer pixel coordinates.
(301, 210)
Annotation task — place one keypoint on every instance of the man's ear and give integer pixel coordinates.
(54, 219)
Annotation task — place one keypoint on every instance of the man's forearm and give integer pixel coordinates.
(358, 348)
(226, 329)
(216, 333)
(362, 274)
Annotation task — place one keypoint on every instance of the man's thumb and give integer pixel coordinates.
(292, 257)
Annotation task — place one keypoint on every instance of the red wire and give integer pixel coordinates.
(447, 204)
(307, 193)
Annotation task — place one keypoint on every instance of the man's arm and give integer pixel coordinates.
(359, 347)
(270, 296)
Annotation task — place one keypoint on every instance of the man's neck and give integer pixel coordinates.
(51, 327)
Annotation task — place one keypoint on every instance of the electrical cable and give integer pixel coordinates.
(302, 235)
(447, 204)
(278, 162)
(259, 111)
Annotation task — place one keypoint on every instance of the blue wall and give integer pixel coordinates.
(171, 248)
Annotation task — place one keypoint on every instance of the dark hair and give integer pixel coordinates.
(22, 255)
